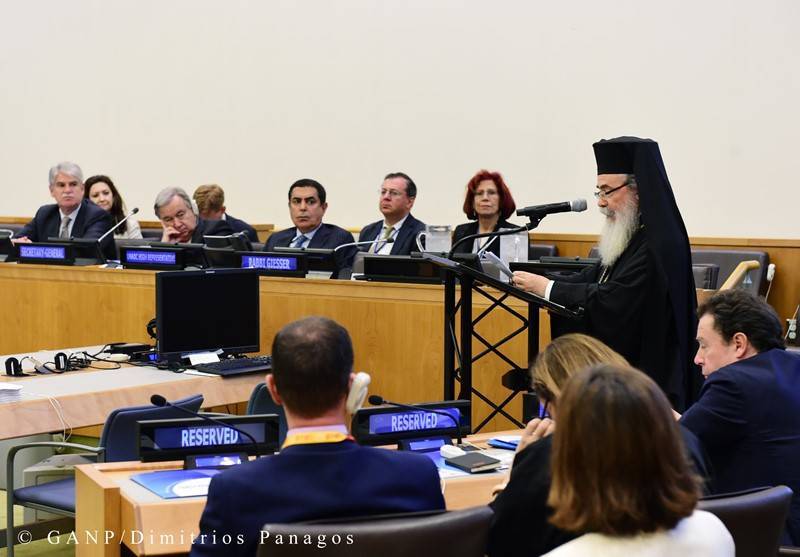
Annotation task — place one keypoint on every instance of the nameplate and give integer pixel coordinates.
(269, 262)
(53, 254)
(151, 257)
(410, 420)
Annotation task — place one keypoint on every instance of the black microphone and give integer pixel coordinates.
(378, 241)
(158, 400)
(113, 228)
(575, 206)
(377, 400)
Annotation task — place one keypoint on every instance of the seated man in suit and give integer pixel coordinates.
(397, 196)
(320, 471)
(71, 216)
(748, 414)
(307, 206)
(210, 201)
(180, 221)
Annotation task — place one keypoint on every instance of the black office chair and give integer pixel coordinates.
(446, 534)
(755, 517)
(261, 403)
(535, 251)
(118, 443)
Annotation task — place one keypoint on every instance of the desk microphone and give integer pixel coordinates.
(113, 228)
(158, 400)
(377, 400)
(352, 244)
(576, 206)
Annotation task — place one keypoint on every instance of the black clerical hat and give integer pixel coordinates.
(617, 156)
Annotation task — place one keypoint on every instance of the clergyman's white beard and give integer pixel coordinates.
(617, 233)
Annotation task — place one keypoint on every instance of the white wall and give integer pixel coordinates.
(253, 95)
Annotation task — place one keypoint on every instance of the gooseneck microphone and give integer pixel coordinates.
(576, 206)
(377, 400)
(515, 230)
(351, 244)
(113, 228)
(158, 400)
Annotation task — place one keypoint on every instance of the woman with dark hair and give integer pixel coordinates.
(488, 202)
(102, 192)
(619, 473)
(521, 526)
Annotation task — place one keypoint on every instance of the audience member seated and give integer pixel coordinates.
(748, 413)
(521, 527)
(489, 203)
(320, 471)
(620, 475)
(210, 201)
(101, 191)
(307, 206)
(71, 216)
(397, 196)
(180, 221)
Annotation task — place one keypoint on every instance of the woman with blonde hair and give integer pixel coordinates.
(620, 475)
(521, 526)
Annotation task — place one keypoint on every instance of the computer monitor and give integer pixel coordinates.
(237, 241)
(319, 260)
(205, 311)
(6, 246)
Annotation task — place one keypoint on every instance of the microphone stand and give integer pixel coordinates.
(515, 230)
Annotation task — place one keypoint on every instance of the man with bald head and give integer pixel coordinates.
(71, 216)
(640, 300)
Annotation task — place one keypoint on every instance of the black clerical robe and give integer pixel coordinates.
(627, 306)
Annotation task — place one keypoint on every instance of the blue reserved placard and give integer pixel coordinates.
(42, 252)
(269, 262)
(413, 420)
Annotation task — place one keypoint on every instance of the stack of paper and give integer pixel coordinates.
(10, 392)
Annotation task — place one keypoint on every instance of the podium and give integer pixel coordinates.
(458, 356)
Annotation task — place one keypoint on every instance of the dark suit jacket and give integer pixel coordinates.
(328, 236)
(238, 225)
(91, 222)
(210, 228)
(406, 240)
(748, 419)
(469, 228)
(308, 482)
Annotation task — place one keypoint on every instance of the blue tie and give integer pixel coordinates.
(299, 241)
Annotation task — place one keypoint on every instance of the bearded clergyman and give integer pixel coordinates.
(640, 299)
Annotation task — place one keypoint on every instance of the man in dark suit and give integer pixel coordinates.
(71, 216)
(748, 414)
(210, 201)
(307, 206)
(180, 221)
(397, 196)
(320, 471)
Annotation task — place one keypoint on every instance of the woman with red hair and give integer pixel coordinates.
(488, 202)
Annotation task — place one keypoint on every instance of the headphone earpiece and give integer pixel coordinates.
(152, 330)
(13, 367)
(61, 362)
(358, 392)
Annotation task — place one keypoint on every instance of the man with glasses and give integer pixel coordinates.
(71, 216)
(397, 196)
(180, 221)
(640, 300)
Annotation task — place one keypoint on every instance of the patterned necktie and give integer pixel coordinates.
(64, 227)
(299, 241)
(377, 246)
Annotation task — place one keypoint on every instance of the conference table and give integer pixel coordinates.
(124, 512)
(397, 331)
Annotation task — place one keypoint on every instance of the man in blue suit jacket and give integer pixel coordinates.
(748, 414)
(397, 196)
(71, 216)
(210, 201)
(320, 472)
(307, 206)
(181, 223)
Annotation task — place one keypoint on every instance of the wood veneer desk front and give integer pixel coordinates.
(397, 329)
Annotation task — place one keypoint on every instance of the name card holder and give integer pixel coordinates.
(45, 253)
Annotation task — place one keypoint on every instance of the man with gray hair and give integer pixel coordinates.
(640, 300)
(179, 219)
(71, 216)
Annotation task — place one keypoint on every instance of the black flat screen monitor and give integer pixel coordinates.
(237, 241)
(388, 425)
(205, 311)
(6, 245)
(321, 260)
(401, 268)
(175, 439)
